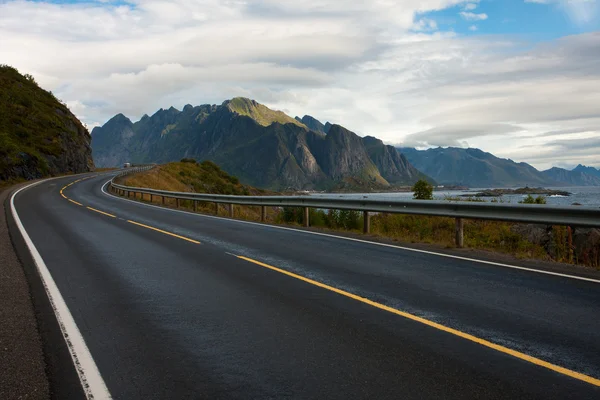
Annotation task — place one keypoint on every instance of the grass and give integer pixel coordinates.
(261, 114)
(205, 177)
(32, 125)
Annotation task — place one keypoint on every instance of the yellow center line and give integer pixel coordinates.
(483, 342)
(165, 232)
(64, 197)
(101, 212)
(73, 201)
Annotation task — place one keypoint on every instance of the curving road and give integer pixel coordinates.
(175, 305)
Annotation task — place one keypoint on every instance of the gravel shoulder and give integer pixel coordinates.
(23, 373)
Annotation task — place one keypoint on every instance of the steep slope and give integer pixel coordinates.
(393, 166)
(39, 136)
(571, 178)
(258, 112)
(474, 168)
(587, 170)
(314, 124)
(264, 153)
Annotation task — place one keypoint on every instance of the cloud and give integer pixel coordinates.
(581, 12)
(380, 68)
(456, 134)
(469, 16)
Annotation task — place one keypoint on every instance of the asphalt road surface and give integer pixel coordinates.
(174, 305)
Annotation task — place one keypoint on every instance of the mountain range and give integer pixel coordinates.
(262, 147)
(476, 168)
(269, 149)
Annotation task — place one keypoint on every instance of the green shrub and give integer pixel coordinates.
(531, 200)
(422, 190)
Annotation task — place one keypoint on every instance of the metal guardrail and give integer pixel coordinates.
(581, 216)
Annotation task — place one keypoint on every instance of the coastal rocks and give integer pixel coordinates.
(536, 191)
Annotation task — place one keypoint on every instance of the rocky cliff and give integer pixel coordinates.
(39, 136)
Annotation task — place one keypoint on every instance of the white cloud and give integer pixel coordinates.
(379, 68)
(470, 6)
(473, 28)
(469, 16)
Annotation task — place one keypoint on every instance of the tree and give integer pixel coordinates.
(531, 200)
(422, 190)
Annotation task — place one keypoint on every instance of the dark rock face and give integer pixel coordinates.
(39, 136)
(273, 156)
(314, 124)
(393, 165)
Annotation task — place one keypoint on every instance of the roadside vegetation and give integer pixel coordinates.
(206, 177)
(35, 128)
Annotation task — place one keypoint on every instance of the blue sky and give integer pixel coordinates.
(535, 20)
(518, 78)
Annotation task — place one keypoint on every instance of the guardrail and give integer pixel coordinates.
(526, 213)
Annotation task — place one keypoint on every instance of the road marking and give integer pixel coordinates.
(165, 232)
(73, 201)
(495, 264)
(475, 339)
(101, 212)
(89, 376)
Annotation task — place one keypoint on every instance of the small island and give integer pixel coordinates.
(525, 190)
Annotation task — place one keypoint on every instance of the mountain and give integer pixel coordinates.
(314, 124)
(262, 147)
(572, 178)
(474, 168)
(39, 136)
(393, 166)
(587, 170)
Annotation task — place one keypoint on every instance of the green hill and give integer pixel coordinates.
(39, 136)
(191, 176)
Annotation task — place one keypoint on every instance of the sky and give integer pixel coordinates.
(517, 78)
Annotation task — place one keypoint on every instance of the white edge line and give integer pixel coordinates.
(91, 381)
(581, 278)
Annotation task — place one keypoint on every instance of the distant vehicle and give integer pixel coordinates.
(127, 165)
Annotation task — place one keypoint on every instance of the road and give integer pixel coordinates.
(168, 309)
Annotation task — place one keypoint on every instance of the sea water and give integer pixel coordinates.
(586, 195)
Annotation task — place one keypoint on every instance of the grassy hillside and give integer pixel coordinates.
(261, 114)
(38, 134)
(191, 176)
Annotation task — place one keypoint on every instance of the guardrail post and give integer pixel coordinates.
(176, 202)
(195, 205)
(367, 222)
(163, 200)
(216, 208)
(459, 233)
(263, 213)
(306, 217)
(151, 198)
(231, 210)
